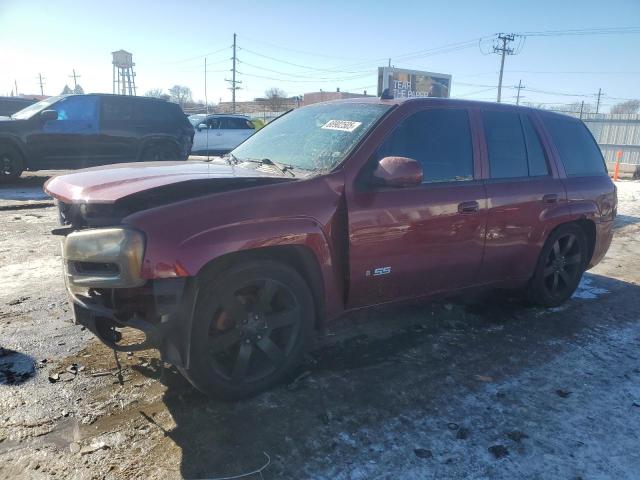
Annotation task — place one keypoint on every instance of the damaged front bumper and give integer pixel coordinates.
(161, 311)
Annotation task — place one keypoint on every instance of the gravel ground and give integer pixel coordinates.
(490, 389)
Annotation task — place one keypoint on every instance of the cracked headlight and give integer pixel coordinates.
(104, 257)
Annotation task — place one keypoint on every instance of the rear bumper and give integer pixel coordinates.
(604, 235)
(161, 310)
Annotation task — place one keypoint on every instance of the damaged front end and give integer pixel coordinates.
(102, 270)
(103, 257)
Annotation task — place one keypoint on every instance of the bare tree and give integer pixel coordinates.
(275, 99)
(180, 94)
(154, 92)
(630, 106)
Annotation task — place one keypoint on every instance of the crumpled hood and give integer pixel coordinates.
(113, 182)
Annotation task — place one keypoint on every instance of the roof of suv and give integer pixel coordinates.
(113, 95)
(447, 101)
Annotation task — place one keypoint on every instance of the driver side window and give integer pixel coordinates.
(75, 115)
(439, 139)
(213, 123)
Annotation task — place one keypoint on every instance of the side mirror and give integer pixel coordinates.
(398, 172)
(202, 126)
(47, 115)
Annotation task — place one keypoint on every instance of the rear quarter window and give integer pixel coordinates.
(578, 150)
(150, 112)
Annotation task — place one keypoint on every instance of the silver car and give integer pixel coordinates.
(220, 133)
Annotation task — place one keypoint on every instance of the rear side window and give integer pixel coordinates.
(154, 112)
(236, 123)
(578, 150)
(440, 139)
(513, 146)
(535, 153)
(505, 142)
(116, 109)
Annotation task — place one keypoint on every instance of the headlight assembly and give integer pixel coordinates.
(104, 257)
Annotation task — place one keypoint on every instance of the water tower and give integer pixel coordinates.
(124, 79)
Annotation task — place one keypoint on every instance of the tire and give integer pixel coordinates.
(252, 325)
(11, 163)
(562, 262)
(161, 152)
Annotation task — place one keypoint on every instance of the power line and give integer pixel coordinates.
(314, 77)
(584, 31)
(314, 54)
(198, 57)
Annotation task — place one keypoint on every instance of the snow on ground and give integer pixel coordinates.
(629, 197)
(497, 390)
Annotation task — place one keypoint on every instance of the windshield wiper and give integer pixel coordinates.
(231, 159)
(283, 167)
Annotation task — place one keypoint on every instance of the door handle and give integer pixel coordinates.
(468, 207)
(550, 198)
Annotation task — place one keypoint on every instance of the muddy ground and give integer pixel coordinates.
(494, 388)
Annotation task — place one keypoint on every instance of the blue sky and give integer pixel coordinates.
(326, 44)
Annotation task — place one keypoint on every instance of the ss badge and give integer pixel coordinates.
(379, 271)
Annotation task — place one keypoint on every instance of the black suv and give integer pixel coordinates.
(78, 131)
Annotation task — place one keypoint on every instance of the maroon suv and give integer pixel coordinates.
(230, 266)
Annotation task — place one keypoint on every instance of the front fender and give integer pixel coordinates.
(195, 252)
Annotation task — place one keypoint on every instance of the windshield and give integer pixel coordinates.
(317, 137)
(31, 110)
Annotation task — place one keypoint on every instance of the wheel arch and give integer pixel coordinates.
(153, 140)
(301, 258)
(19, 145)
(587, 225)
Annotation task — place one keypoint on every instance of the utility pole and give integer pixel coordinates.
(15, 82)
(502, 47)
(598, 104)
(75, 80)
(233, 81)
(520, 87)
(41, 84)
(581, 108)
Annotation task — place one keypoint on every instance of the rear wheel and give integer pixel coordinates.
(252, 325)
(161, 152)
(560, 266)
(11, 163)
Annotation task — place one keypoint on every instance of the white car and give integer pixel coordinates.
(221, 133)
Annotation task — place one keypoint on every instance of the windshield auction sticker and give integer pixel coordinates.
(342, 125)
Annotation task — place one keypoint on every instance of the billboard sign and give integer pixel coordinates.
(403, 83)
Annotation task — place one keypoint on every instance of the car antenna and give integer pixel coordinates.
(206, 107)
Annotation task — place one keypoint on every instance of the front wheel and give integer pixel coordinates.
(11, 163)
(161, 152)
(560, 267)
(252, 325)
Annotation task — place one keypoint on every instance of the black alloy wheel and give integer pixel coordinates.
(563, 265)
(156, 153)
(254, 331)
(560, 266)
(252, 327)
